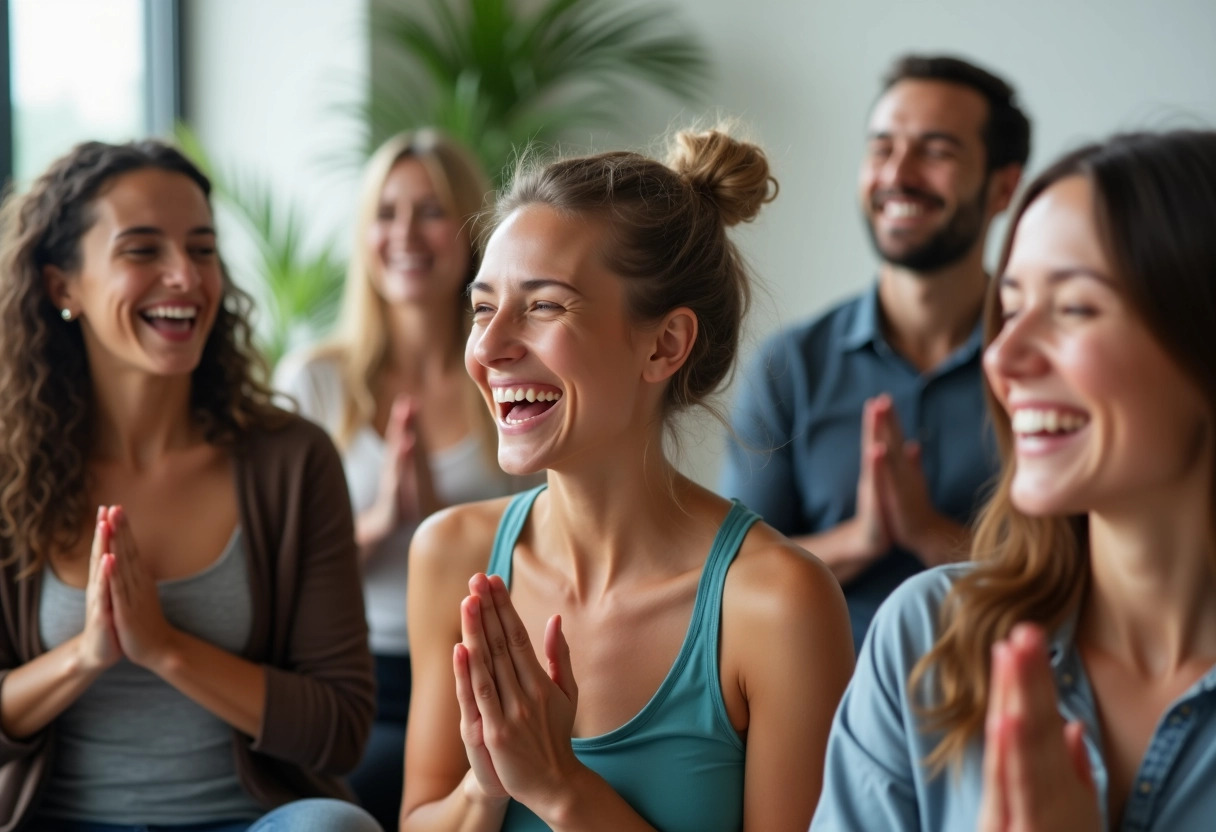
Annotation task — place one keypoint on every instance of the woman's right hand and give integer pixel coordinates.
(405, 494)
(98, 643)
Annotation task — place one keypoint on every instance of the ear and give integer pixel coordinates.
(58, 287)
(673, 340)
(1002, 185)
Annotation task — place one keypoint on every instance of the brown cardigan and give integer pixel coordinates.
(308, 629)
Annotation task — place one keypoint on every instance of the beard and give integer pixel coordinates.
(947, 245)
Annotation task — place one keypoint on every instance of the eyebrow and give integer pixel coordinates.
(1058, 276)
(527, 285)
(151, 229)
(930, 136)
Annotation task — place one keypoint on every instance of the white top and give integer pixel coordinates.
(462, 473)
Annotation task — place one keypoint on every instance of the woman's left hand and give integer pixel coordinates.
(1036, 770)
(142, 630)
(526, 712)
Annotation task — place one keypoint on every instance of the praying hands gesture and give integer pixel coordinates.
(1036, 771)
(517, 718)
(893, 494)
(143, 633)
(406, 492)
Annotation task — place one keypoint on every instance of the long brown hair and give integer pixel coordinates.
(46, 400)
(1154, 200)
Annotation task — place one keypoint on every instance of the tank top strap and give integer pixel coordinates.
(509, 527)
(727, 542)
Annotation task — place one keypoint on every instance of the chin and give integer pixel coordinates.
(1038, 500)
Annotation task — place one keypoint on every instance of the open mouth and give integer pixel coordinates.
(905, 206)
(517, 405)
(172, 321)
(1044, 422)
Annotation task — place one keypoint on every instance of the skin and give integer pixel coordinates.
(418, 252)
(152, 243)
(616, 544)
(924, 149)
(1140, 469)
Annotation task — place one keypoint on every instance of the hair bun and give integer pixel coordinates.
(732, 173)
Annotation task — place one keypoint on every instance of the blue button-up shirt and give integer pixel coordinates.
(796, 456)
(875, 779)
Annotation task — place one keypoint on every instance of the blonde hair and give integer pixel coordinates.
(668, 227)
(360, 340)
(1154, 195)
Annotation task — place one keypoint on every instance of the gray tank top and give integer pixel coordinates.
(132, 749)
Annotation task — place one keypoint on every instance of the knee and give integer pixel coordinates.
(317, 815)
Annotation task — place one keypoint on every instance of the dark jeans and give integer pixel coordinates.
(378, 778)
(311, 815)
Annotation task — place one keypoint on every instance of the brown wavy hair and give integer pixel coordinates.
(1154, 203)
(46, 393)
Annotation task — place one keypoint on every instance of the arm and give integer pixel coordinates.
(34, 694)
(441, 791)
(785, 628)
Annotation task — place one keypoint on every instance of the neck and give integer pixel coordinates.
(140, 417)
(607, 524)
(1152, 598)
(928, 315)
(423, 341)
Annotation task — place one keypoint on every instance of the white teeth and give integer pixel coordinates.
(181, 313)
(897, 209)
(1033, 420)
(521, 394)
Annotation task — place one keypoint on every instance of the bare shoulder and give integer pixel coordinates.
(455, 543)
(774, 581)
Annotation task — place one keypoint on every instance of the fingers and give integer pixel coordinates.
(886, 422)
(480, 663)
(557, 653)
(510, 645)
(101, 539)
(1074, 741)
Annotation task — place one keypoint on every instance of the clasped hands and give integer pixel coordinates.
(123, 616)
(893, 501)
(1037, 775)
(405, 493)
(516, 717)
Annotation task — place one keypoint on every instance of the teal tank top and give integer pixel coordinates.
(679, 761)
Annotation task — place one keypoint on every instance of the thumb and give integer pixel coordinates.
(557, 655)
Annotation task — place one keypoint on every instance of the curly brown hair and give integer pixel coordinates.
(46, 401)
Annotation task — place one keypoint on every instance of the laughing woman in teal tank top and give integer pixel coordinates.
(643, 654)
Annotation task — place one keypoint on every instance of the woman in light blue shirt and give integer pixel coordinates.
(1092, 592)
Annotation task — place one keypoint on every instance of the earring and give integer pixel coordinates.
(66, 314)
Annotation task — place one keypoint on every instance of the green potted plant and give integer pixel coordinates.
(499, 77)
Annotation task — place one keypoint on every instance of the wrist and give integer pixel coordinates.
(560, 808)
(478, 797)
(82, 663)
(164, 659)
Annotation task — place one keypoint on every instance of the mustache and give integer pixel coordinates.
(880, 197)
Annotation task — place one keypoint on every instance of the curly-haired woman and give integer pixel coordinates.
(183, 640)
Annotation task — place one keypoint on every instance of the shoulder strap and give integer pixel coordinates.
(509, 527)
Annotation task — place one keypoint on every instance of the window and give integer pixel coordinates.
(82, 69)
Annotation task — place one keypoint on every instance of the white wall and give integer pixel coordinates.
(802, 73)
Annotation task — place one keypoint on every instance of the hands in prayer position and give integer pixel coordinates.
(1037, 774)
(516, 718)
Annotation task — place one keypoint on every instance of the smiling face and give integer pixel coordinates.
(924, 183)
(552, 347)
(418, 249)
(149, 284)
(1103, 419)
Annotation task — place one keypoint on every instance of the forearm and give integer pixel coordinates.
(590, 804)
(34, 694)
(465, 809)
(228, 686)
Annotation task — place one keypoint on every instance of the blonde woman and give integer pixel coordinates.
(392, 390)
(1066, 679)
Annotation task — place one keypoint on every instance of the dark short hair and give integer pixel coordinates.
(1007, 131)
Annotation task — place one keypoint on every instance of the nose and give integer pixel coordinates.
(406, 229)
(180, 271)
(1018, 349)
(494, 341)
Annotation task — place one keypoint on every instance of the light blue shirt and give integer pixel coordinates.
(875, 780)
(796, 459)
